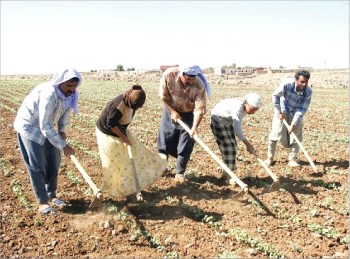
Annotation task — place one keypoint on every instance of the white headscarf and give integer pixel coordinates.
(253, 99)
(64, 76)
(197, 71)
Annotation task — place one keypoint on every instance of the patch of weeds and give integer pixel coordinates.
(111, 207)
(267, 249)
(172, 254)
(17, 188)
(295, 247)
(212, 221)
(227, 254)
(324, 231)
(344, 239)
(73, 178)
(5, 168)
(326, 203)
(37, 222)
(331, 186)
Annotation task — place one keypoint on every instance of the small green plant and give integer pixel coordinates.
(73, 178)
(324, 231)
(5, 168)
(172, 254)
(37, 222)
(227, 254)
(17, 188)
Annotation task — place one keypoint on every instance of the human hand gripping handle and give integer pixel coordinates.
(68, 151)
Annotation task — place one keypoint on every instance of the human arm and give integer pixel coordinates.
(279, 102)
(120, 134)
(196, 121)
(48, 109)
(249, 146)
(303, 107)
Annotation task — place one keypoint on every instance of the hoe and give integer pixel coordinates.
(98, 200)
(221, 163)
(276, 182)
(302, 148)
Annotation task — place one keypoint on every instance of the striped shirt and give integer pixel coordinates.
(287, 100)
(40, 111)
(189, 99)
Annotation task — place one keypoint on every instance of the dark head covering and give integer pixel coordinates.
(135, 97)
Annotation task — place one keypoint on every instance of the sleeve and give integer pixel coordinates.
(163, 88)
(200, 104)
(63, 121)
(304, 106)
(113, 117)
(47, 104)
(237, 124)
(277, 98)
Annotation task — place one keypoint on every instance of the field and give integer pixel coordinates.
(307, 217)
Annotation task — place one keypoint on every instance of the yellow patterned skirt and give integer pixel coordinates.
(118, 177)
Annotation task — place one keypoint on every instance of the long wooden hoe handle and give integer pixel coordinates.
(85, 175)
(301, 147)
(137, 183)
(268, 170)
(218, 160)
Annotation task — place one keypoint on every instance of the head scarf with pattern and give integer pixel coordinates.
(197, 71)
(135, 97)
(64, 76)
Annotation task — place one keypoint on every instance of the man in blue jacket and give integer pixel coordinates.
(291, 100)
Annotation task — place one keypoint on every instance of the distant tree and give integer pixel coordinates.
(131, 69)
(281, 67)
(120, 68)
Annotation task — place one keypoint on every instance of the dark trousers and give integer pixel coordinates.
(174, 140)
(42, 164)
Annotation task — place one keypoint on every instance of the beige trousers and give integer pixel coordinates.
(279, 132)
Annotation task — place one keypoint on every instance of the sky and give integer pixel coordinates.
(39, 37)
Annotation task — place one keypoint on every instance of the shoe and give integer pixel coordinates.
(46, 209)
(180, 178)
(293, 163)
(269, 162)
(58, 202)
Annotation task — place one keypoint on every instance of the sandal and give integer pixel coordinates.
(46, 209)
(58, 202)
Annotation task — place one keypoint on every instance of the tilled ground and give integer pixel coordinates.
(307, 217)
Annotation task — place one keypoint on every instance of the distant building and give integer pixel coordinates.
(165, 67)
(233, 71)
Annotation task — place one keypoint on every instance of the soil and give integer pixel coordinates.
(307, 217)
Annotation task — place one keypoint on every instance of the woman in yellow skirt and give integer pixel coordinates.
(113, 136)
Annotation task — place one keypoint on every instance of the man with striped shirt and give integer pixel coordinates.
(291, 100)
(46, 107)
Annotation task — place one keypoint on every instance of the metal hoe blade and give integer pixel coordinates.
(239, 195)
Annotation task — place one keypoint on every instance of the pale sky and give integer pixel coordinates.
(43, 36)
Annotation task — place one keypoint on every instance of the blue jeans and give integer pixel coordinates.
(42, 164)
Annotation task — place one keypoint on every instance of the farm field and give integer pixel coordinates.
(306, 218)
